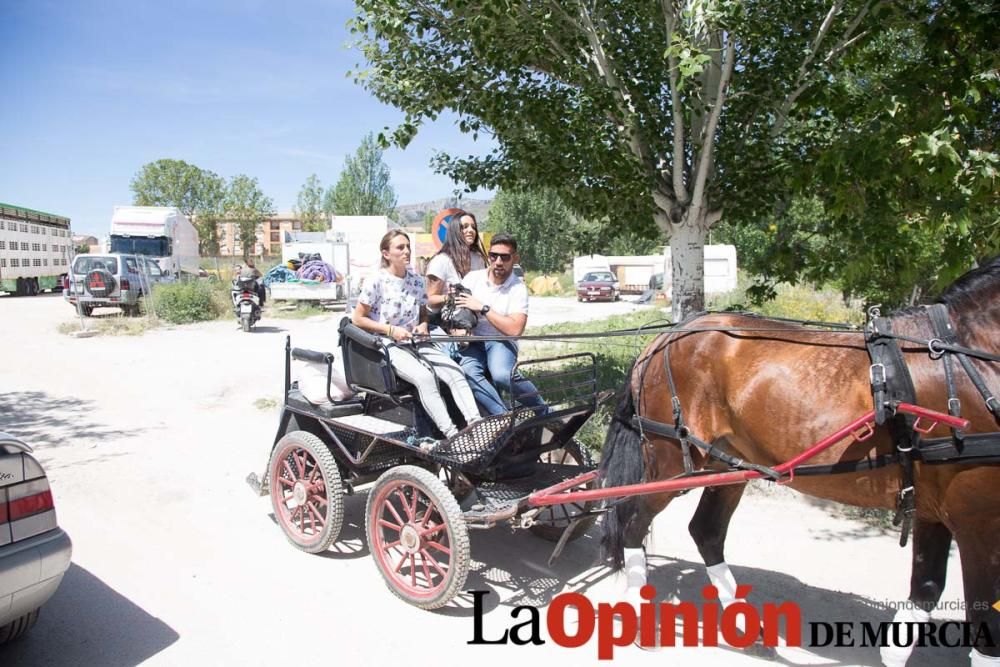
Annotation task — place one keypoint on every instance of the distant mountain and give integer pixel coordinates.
(414, 214)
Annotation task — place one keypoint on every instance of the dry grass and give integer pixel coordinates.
(111, 325)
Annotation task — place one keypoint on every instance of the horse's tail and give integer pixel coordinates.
(621, 463)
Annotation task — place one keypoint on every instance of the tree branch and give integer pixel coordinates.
(708, 144)
(801, 80)
(678, 171)
(605, 66)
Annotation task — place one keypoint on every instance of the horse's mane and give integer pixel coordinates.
(968, 290)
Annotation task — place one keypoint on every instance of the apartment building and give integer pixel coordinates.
(269, 235)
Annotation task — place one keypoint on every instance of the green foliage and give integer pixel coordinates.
(190, 301)
(197, 193)
(364, 186)
(540, 223)
(309, 206)
(885, 112)
(248, 206)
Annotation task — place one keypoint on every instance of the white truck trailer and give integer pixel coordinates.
(35, 250)
(162, 233)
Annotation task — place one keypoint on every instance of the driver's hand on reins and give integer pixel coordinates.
(400, 335)
(420, 332)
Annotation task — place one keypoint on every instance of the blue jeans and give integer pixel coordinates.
(498, 357)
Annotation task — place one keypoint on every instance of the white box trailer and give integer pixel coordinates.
(160, 232)
(334, 252)
(35, 250)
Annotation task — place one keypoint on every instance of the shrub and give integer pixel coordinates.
(190, 301)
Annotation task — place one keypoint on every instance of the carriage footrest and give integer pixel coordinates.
(500, 494)
(257, 485)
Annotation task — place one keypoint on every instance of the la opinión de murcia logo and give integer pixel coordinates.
(739, 624)
(571, 620)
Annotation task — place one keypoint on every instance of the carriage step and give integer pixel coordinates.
(258, 486)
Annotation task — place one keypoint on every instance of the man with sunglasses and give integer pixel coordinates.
(501, 299)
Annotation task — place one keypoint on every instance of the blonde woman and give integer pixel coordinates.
(392, 305)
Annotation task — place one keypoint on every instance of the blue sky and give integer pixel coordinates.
(94, 90)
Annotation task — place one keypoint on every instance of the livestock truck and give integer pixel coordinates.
(162, 233)
(35, 249)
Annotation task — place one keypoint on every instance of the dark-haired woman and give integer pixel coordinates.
(461, 253)
(391, 304)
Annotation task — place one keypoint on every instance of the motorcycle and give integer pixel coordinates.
(246, 302)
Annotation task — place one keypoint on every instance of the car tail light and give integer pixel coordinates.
(246, 295)
(26, 507)
(124, 284)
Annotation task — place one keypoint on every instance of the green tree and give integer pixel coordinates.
(542, 225)
(248, 206)
(675, 112)
(364, 186)
(197, 193)
(310, 206)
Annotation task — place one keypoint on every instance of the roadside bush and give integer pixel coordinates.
(190, 301)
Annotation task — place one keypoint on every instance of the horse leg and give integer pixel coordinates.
(708, 528)
(980, 547)
(931, 544)
(636, 530)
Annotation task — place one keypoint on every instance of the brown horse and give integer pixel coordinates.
(765, 395)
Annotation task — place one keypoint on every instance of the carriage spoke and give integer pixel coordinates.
(288, 469)
(300, 463)
(318, 517)
(399, 565)
(423, 565)
(433, 529)
(286, 482)
(416, 498)
(433, 561)
(427, 515)
(440, 547)
(395, 514)
(413, 570)
(405, 504)
(391, 526)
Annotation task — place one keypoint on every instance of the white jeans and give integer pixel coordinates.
(416, 373)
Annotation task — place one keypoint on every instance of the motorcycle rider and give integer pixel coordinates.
(250, 272)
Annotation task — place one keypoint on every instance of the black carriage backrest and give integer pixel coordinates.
(366, 362)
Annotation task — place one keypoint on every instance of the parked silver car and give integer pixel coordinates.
(34, 551)
(111, 279)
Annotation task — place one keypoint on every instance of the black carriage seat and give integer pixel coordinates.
(366, 364)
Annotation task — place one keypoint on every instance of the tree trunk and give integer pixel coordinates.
(687, 266)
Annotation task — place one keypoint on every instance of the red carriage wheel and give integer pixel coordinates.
(550, 523)
(417, 536)
(306, 491)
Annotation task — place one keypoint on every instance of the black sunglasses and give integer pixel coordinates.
(502, 256)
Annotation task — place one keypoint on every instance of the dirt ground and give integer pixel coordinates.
(147, 441)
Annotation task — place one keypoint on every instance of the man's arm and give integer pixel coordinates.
(508, 325)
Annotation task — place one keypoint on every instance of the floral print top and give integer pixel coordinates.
(395, 301)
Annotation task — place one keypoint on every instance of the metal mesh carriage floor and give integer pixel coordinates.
(475, 446)
(498, 495)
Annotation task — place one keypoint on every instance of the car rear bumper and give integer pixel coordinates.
(30, 572)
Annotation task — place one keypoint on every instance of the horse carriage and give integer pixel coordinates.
(900, 415)
(424, 500)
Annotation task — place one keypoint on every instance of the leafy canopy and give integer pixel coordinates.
(309, 206)
(197, 193)
(364, 186)
(248, 206)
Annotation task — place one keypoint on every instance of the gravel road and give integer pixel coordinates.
(147, 441)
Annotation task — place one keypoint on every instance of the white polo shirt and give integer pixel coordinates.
(506, 299)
